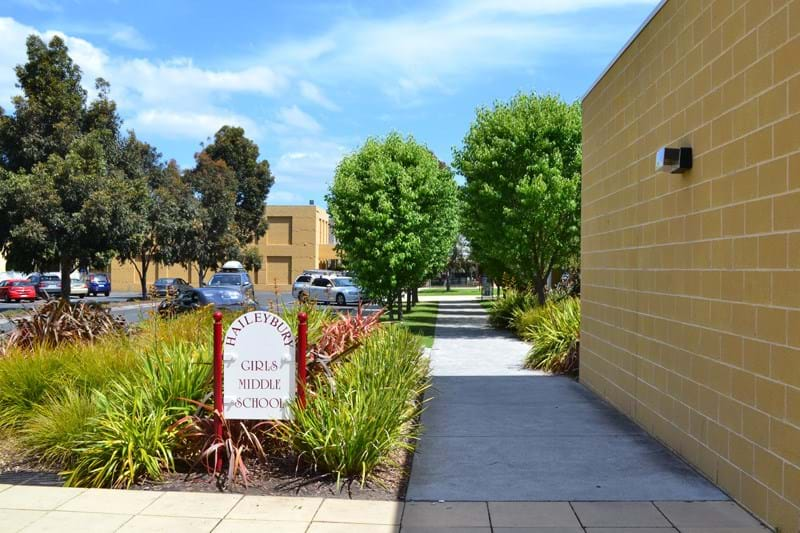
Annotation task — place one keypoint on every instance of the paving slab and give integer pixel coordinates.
(619, 515)
(111, 501)
(192, 504)
(36, 498)
(360, 512)
(446, 514)
(685, 515)
(494, 431)
(532, 514)
(330, 527)
(64, 521)
(277, 508)
(17, 519)
(631, 530)
(168, 524)
(260, 526)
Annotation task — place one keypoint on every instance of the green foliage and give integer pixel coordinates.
(394, 207)
(353, 427)
(253, 180)
(522, 164)
(56, 427)
(131, 438)
(502, 310)
(555, 334)
(318, 319)
(525, 317)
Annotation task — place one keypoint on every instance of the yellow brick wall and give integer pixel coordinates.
(297, 240)
(691, 283)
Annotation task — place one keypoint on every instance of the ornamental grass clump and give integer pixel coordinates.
(351, 427)
(502, 310)
(555, 335)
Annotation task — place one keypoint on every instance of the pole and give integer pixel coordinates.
(302, 340)
(218, 405)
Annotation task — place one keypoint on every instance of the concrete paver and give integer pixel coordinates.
(192, 504)
(446, 514)
(532, 514)
(619, 514)
(707, 515)
(631, 530)
(36, 498)
(17, 519)
(168, 524)
(331, 527)
(260, 526)
(111, 501)
(60, 521)
(276, 508)
(360, 512)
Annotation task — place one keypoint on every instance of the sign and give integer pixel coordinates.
(259, 367)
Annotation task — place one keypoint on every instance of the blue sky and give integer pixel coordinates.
(309, 81)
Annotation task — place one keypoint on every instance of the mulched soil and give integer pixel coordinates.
(280, 477)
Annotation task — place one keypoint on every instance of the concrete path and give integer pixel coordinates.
(496, 432)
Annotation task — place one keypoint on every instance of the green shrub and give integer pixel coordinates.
(502, 310)
(522, 319)
(352, 427)
(318, 319)
(177, 374)
(554, 336)
(56, 427)
(25, 381)
(131, 438)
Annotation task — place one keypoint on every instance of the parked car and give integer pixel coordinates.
(302, 287)
(170, 286)
(233, 274)
(49, 285)
(78, 288)
(338, 290)
(223, 298)
(15, 290)
(98, 283)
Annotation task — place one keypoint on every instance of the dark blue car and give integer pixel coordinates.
(98, 284)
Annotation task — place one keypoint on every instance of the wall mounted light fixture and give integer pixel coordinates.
(674, 160)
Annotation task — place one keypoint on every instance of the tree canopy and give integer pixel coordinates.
(394, 207)
(522, 164)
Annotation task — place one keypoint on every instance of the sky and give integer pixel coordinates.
(310, 81)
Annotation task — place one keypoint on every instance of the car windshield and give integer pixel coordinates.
(164, 281)
(100, 277)
(222, 297)
(226, 279)
(21, 283)
(343, 282)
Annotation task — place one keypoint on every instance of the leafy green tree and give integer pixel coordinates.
(213, 238)
(253, 180)
(50, 114)
(522, 165)
(166, 206)
(69, 211)
(251, 258)
(394, 207)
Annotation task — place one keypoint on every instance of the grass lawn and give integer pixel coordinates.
(421, 321)
(454, 291)
(487, 304)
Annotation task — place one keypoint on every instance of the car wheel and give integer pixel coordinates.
(7, 299)
(340, 299)
(82, 296)
(302, 297)
(107, 293)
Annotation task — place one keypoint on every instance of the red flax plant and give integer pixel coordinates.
(341, 337)
(240, 441)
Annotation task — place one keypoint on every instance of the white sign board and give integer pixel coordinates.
(259, 367)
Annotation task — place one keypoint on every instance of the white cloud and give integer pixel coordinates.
(189, 125)
(129, 37)
(314, 93)
(293, 118)
(307, 165)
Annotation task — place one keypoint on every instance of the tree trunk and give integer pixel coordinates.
(400, 305)
(539, 285)
(408, 300)
(66, 282)
(447, 282)
(143, 278)
(416, 295)
(390, 305)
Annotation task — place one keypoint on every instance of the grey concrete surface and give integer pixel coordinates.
(496, 432)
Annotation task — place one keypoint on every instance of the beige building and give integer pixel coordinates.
(298, 238)
(691, 282)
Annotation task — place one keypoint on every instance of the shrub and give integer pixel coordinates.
(177, 376)
(59, 322)
(56, 427)
(130, 438)
(343, 335)
(502, 310)
(350, 428)
(555, 335)
(522, 319)
(318, 319)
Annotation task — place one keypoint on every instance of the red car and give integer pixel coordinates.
(17, 289)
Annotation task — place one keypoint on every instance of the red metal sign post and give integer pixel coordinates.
(302, 341)
(218, 405)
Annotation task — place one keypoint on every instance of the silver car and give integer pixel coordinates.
(338, 290)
